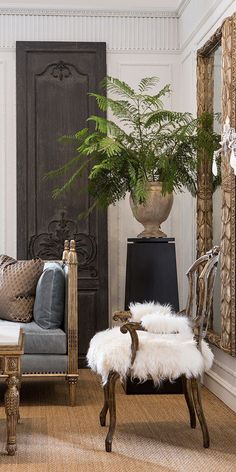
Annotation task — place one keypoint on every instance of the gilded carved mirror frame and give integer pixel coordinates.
(226, 36)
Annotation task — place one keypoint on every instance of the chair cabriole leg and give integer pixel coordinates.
(196, 390)
(112, 410)
(189, 400)
(104, 410)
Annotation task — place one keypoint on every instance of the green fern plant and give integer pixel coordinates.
(142, 142)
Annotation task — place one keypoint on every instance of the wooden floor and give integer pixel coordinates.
(153, 432)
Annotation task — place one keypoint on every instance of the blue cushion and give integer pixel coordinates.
(31, 363)
(39, 340)
(49, 302)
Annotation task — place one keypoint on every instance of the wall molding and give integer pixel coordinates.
(225, 368)
(122, 31)
(6, 49)
(182, 7)
(202, 22)
(60, 11)
(207, 33)
(221, 388)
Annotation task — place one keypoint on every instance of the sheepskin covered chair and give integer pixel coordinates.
(162, 345)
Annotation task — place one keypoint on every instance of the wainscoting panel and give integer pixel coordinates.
(121, 223)
(121, 30)
(7, 153)
(2, 150)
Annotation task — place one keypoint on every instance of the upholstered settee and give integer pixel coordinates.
(54, 352)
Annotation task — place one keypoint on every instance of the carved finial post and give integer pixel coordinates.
(66, 250)
(72, 256)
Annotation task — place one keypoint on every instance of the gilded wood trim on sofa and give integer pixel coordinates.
(71, 312)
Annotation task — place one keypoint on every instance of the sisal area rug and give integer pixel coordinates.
(153, 432)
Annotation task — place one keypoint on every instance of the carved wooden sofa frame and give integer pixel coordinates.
(70, 263)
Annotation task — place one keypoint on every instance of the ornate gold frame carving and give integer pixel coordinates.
(226, 34)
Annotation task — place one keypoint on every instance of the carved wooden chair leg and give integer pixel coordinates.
(112, 410)
(189, 400)
(73, 382)
(104, 410)
(12, 411)
(196, 390)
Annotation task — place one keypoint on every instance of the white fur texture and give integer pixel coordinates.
(138, 310)
(158, 318)
(160, 355)
(167, 324)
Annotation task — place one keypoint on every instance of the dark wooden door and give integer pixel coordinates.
(53, 81)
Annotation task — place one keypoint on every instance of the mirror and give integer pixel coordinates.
(216, 71)
(216, 57)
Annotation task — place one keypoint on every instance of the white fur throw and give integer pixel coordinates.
(158, 318)
(138, 310)
(161, 356)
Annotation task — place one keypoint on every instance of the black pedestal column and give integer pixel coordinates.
(151, 275)
(151, 271)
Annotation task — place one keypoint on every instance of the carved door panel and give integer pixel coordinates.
(53, 80)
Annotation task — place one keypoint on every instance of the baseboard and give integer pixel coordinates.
(221, 388)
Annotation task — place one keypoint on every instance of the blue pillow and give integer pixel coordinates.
(49, 305)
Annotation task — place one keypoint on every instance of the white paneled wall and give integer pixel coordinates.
(133, 67)
(2, 149)
(138, 46)
(7, 153)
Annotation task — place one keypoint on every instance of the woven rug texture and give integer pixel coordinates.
(152, 434)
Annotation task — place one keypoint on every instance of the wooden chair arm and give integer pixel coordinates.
(132, 328)
(122, 316)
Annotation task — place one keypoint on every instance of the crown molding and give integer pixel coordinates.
(219, 18)
(121, 33)
(89, 13)
(182, 7)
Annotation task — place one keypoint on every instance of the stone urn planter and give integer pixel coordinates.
(154, 212)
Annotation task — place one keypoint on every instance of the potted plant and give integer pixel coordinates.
(143, 149)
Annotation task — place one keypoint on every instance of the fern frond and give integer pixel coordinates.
(100, 123)
(72, 138)
(97, 168)
(67, 186)
(67, 138)
(109, 146)
(63, 169)
(118, 87)
(172, 117)
(79, 135)
(123, 109)
(147, 82)
(156, 100)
